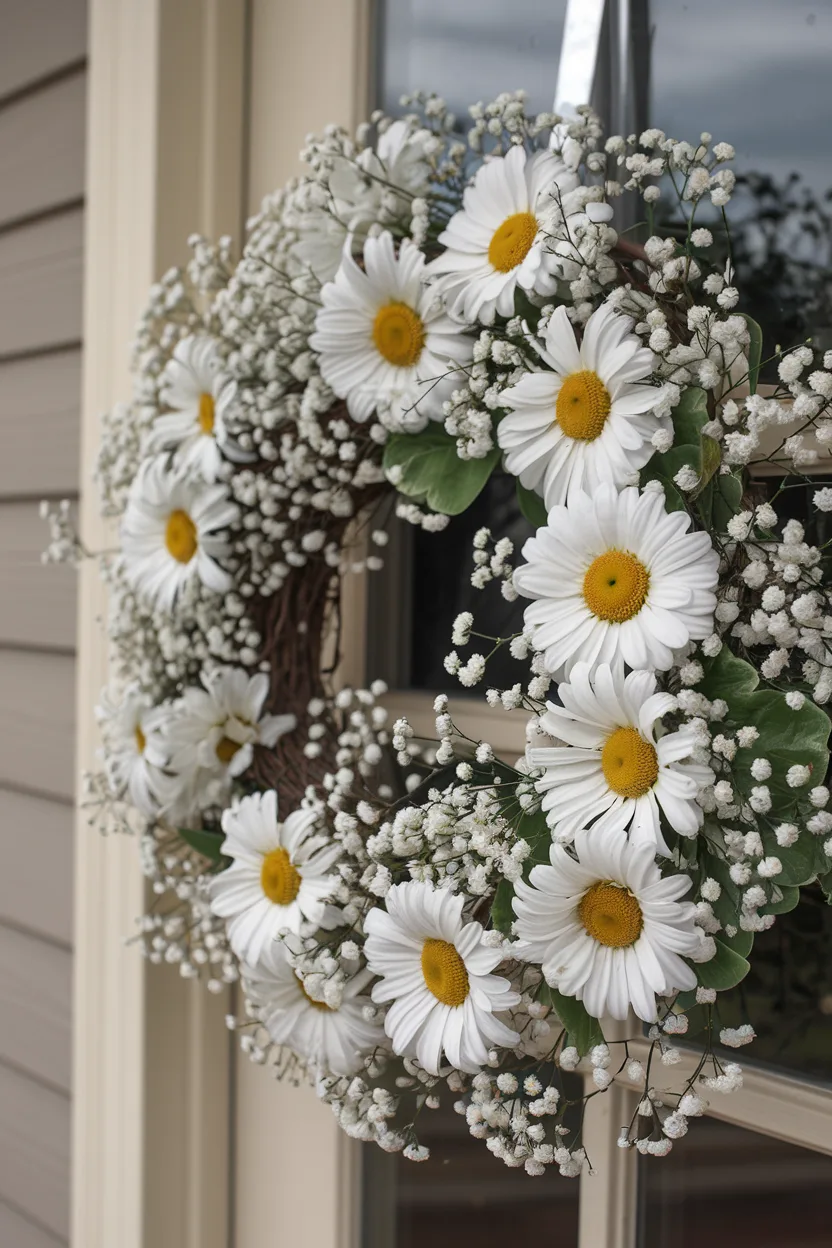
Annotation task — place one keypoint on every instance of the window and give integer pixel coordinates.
(752, 72)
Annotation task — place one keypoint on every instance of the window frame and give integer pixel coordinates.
(787, 1108)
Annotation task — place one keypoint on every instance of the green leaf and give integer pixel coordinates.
(755, 351)
(582, 1029)
(788, 900)
(689, 415)
(673, 499)
(725, 969)
(426, 466)
(720, 501)
(532, 506)
(502, 914)
(206, 843)
(787, 737)
(689, 449)
(825, 882)
(711, 459)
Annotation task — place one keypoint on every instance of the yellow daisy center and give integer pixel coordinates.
(180, 536)
(318, 1005)
(629, 763)
(280, 878)
(399, 334)
(512, 241)
(141, 740)
(226, 749)
(205, 418)
(615, 586)
(583, 405)
(444, 972)
(611, 915)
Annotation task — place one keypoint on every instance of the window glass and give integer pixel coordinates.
(787, 994)
(442, 568)
(724, 1186)
(760, 85)
(469, 50)
(462, 1194)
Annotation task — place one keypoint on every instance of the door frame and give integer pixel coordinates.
(165, 131)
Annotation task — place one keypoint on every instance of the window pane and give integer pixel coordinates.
(787, 994)
(442, 568)
(469, 50)
(462, 1194)
(766, 102)
(723, 1186)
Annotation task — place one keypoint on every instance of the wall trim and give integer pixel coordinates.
(164, 158)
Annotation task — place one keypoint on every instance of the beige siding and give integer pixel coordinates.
(40, 138)
(37, 606)
(34, 1150)
(39, 409)
(21, 1232)
(42, 120)
(40, 277)
(41, 38)
(35, 986)
(34, 894)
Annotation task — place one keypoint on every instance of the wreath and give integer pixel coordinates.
(412, 919)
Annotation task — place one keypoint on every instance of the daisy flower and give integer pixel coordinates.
(217, 727)
(586, 421)
(384, 342)
(617, 579)
(606, 928)
(194, 388)
(134, 751)
(437, 971)
(497, 241)
(330, 1040)
(280, 877)
(614, 771)
(169, 534)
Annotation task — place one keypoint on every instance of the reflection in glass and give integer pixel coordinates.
(468, 50)
(442, 588)
(723, 1186)
(787, 994)
(462, 1195)
(765, 103)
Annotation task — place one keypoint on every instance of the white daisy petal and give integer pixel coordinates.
(620, 776)
(594, 403)
(169, 533)
(422, 939)
(608, 559)
(286, 890)
(611, 946)
(385, 343)
(496, 242)
(332, 1041)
